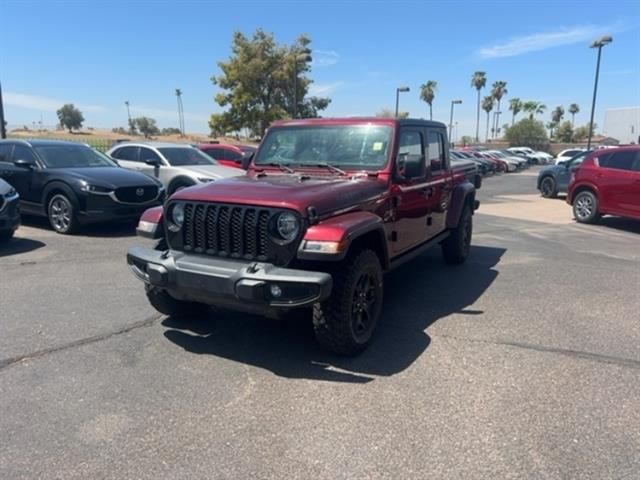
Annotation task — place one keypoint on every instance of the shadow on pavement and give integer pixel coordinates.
(19, 245)
(104, 230)
(619, 223)
(416, 295)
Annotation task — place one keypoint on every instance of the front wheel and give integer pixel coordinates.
(62, 214)
(548, 187)
(345, 323)
(585, 207)
(456, 247)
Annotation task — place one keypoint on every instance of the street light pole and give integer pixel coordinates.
(398, 90)
(453, 102)
(126, 102)
(601, 42)
(302, 56)
(3, 130)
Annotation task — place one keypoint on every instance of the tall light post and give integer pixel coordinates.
(180, 112)
(398, 90)
(126, 102)
(3, 131)
(453, 102)
(599, 43)
(300, 56)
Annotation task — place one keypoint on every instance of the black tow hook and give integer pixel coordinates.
(253, 268)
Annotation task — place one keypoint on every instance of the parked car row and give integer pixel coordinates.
(597, 182)
(493, 161)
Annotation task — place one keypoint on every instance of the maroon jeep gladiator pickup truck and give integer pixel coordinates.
(327, 206)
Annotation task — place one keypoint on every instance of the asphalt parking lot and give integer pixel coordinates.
(523, 363)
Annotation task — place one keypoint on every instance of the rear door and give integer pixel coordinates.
(615, 178)
(438, 193)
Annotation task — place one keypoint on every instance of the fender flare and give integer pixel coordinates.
(580, 187)
(58, 185)
(345, 229)
(180, 179)
(462, 193)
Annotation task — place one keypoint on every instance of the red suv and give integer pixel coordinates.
(607, 183)
(224, 153)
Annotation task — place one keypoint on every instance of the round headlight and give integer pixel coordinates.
(177, 214)
(288, 226)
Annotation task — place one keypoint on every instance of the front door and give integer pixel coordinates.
(409, 194)
(24, 179)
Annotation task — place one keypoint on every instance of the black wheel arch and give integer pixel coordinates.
(56, 187)
(180, 180)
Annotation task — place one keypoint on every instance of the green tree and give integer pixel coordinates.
(147, 126)
(478, 81)
(261, 82)
(428, 93)
(466, 140)
(528, 133)
(564, 132)
(487, 106)
(70, 117)
(581, 133)
(533, 108)
(550, 126)
(557, 114)
(388, 113)
(498, 90)
(573, 109)
(515, 105)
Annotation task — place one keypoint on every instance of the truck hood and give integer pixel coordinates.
(295, 192)
(214, 171)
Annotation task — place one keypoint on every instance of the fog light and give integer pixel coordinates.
(276, 291)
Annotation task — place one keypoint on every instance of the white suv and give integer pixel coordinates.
(176, 165)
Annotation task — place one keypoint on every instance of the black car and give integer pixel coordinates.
(73, 184)
(9, 211)
(554, 179)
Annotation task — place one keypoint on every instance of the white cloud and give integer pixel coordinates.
(324, 58)
(35, 102)
(318, 89)
(542, 41)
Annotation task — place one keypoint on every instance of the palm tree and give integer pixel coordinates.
(533, 108)
(487, 106)
(180, 112)
(478, 81)
(557, 114)
(515, 105)
(427, 94)
(551, 125)
(573, 109)
(540, 108)
(498, 89)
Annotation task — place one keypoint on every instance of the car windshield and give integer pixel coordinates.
(72, 156)
(346, 146)
(183, 156)
(578, 159)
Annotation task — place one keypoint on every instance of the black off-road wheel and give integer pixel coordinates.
(548, 187)
(61, 212)
(346, 322)
(456, 247)
(167, 305)
(585, 207)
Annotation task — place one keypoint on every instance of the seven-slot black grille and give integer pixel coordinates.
(235, 231)
(136, 194)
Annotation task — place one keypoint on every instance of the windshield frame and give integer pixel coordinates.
(210, 161)
(43, 159)
(349, 167)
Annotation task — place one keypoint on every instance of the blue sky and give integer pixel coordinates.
(98, 54)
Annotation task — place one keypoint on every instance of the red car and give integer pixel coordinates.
(224, 153)
(607, 183)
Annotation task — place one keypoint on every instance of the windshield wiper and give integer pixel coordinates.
(333, 168)
(281, 166)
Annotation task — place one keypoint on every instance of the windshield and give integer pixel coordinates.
(72, 156)
(345, 146)
(578, 159)
(182, 156)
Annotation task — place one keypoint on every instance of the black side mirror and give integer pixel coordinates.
(410, 166)
(154, 162)
(246, 161)
(20, 162)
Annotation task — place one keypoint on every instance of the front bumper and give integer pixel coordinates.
(236, 284)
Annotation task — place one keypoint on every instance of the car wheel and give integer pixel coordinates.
(456, 247)
(179, 185)
(62, 214)
(346, 322)
(585, 207)
(548, 187)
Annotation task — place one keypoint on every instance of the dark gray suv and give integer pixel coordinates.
(554, 179)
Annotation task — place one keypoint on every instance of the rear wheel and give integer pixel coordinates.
(62, 214)
(548, 187)
(456, 247)
(346, 322)
(585, 207)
